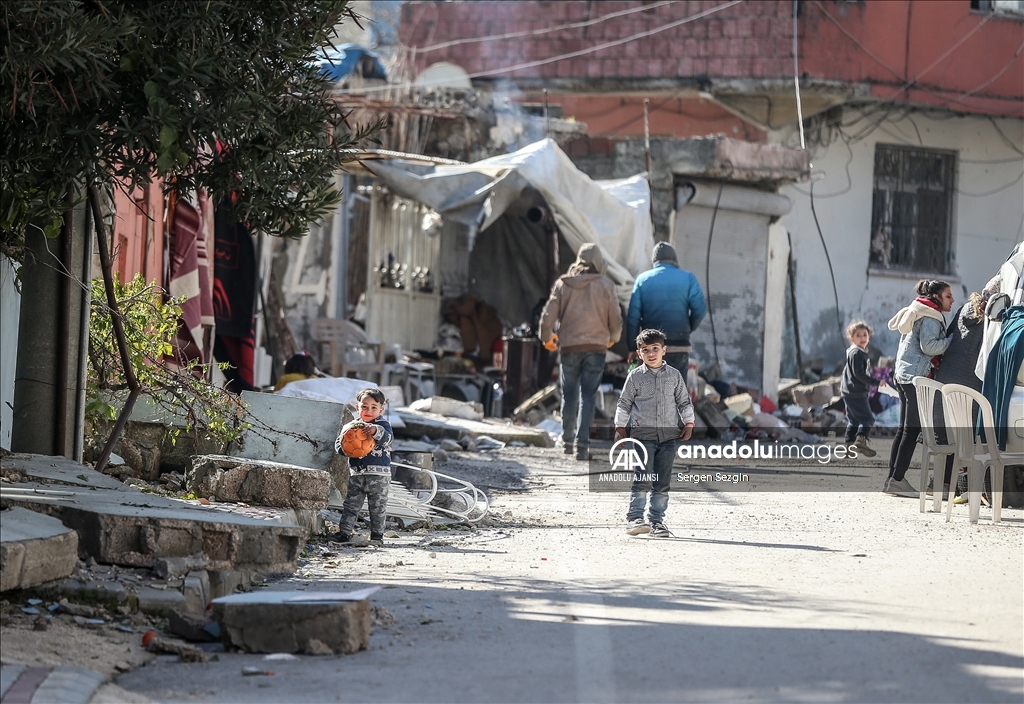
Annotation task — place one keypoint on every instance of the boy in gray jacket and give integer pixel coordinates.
(655, 410)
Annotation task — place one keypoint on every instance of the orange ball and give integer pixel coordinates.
(354, 443)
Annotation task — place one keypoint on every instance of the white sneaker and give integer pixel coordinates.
(637, 526)
(900, 488)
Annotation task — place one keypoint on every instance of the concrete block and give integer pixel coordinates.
(193, 629)
(159, 602)
(258, 482)
(34, 549)
(267, 622)
(196, 590)
(312, 446)
(227, 582)
(177, 566)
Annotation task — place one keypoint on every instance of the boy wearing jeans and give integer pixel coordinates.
(369, 476)
(857, 382)
(654, 409)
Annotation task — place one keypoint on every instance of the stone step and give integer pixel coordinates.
(131, 528)
(34, 548)
(258, 482)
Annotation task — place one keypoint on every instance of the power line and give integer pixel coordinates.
(560, 57)
(943, 57)
(606, 45)
(993, 79)
(911, 82)
(546, 30)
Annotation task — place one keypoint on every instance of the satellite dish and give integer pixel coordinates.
(443, 75)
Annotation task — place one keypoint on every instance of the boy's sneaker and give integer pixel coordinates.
(660, 530)
(900, 488)
(376, 540)
(863, 447)
(583, 454)
(567, 448)
(637, 526)
(340, 537)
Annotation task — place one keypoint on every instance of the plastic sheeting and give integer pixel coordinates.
(615, 215)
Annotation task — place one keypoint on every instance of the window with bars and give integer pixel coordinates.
(912, 209)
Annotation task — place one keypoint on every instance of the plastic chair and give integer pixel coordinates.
(933, 451)
(346, 342)
(957, 401)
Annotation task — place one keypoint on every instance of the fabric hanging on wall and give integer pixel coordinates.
(185, 279)
(234, 293)
(234, 270)
(206, 242)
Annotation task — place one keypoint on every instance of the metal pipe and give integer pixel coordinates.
(83, 338)
(647, 139)
(64, 327)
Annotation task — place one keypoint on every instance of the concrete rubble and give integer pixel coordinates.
(258, 481)
(436, 427)
(295, 622)
(123, 526)
(34, 549)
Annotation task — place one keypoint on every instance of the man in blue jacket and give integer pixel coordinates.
(669, 299)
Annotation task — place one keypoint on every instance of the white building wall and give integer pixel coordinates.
(10, 312)
(988, 220)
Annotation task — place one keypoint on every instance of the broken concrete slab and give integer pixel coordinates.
(128, 527)
(45, 469)
(34, 548)
(310, 445)
(292, 622)
(192, 629)
(179, 566)
(258, 482)
(159, 602)
(196, 590)
(437, 427)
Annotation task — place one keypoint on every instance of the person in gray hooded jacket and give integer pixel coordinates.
(924, 339)
(582, 320)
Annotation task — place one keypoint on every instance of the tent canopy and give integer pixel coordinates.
(615, 215)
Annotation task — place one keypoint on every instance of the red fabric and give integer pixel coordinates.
(242, 353)
(937, 359)
(190, 278)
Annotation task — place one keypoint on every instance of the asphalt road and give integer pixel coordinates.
(762, 595)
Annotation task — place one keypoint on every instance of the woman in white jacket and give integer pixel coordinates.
(923, 331)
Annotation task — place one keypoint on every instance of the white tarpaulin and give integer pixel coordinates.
(616, 215)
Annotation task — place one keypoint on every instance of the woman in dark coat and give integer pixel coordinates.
(966, 332)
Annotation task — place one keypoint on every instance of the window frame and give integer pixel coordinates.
(916, 267)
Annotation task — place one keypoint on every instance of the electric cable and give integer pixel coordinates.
(560, 57)
(545, 30)
(831, 271)
(707, 269)
(1001, 71)
(1006, 139)
(993, 191)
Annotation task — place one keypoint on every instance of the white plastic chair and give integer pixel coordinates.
(933, 451)
(957, 400)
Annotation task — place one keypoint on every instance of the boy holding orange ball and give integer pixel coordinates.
(367, 444)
